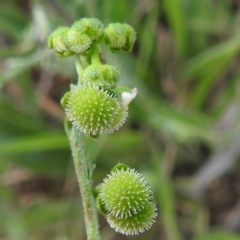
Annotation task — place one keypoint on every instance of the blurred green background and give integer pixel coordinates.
(182, 134)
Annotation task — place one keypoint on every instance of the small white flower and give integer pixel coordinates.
(127, 97)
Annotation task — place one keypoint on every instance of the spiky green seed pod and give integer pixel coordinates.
(77, 42)
(57, 40)
(91, 27)
(135, 224)
(120, 36)
(125, 193)
(102, 75)
(94, 110)
(126, 200)
(83, 34)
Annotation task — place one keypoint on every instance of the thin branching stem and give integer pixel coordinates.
(83, 170)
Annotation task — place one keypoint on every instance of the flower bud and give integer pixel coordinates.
(94, 110)
(57, 40)
(91, 27)
(102, 75)
(120, 36)
(77, 42)
(83, 34)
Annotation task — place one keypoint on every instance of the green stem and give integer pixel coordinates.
(81, 63)
(83, 170)
(79, 66)
(95, 58)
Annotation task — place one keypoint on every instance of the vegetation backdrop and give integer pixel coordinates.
(182, 134)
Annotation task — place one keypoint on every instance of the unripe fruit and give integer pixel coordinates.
(91, 27)
(135, 224)
(77, 42)
(83, 34)
(57, 40)
(94, 110)
(120, 36)
(126, 200)
(125, 193)
(102, 75)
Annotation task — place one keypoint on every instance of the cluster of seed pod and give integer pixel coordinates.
(96, 105)
(126, 200)
(85, 32)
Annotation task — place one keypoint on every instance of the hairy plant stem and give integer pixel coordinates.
(81, 63)
(84, 170)
(95, 58)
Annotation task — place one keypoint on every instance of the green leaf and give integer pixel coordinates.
(37, 142)
(175, 16)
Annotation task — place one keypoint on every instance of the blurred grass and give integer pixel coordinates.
(186, 67)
